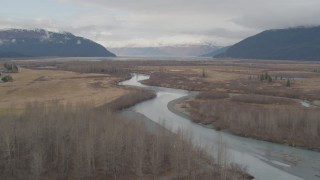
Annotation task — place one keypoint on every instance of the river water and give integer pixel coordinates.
(264, 160)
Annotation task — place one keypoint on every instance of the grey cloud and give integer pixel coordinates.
(167, 6)
(226, 33)
(221, 19)
(76, 25)
(9, 23)
(295, 11)
(281, 17)
(147, 22)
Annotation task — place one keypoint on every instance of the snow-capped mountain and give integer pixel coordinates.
(42, 43)
(166, 51)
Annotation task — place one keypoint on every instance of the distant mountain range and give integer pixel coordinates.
(166, 51)
(42, 43)
(216, 52)
(301, 43)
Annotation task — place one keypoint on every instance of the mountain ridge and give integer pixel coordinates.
(300, 43)
(216, 52)
(185, 50)
(43, 43)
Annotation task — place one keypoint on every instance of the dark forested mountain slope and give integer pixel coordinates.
(302, 43)
(216, 52)
(42, 43)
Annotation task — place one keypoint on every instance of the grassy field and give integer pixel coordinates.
(242, 77)
(61, 86)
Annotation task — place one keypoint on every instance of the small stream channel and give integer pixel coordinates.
(264, 160)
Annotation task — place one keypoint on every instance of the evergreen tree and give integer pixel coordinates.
(203, 73)
(269, 79)
(288, 83)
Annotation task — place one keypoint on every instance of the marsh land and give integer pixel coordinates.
(276, 101)
(59, 121)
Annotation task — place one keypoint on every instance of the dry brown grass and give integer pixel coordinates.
(221, 75)
(62, 86)
(212, 95)
(233, 76)
(260, 99)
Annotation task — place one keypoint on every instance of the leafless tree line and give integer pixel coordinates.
(212, 95)
(130, 99)
(75, 142)
(116, 66)
(290, 125)
(261, 99)
(107, 67)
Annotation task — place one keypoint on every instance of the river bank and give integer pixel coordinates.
(264, 160)
(254, 108)
(272, 119)
(234, 171)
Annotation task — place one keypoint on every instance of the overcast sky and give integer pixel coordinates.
(117, 23)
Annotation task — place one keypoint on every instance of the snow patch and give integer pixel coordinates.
(79, 42)
(306, 103)
(46, 36)
(13, 40)
(38, 30)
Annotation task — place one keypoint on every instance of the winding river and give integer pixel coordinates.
(264, 160)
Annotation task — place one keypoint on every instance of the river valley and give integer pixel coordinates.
(264, 160)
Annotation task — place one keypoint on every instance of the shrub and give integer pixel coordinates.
(260, 99)
(7, 78)
(130, 99)
(212, 95)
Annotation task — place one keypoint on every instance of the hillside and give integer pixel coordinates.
(216, 52)
(42, 43)
(302, 43)
(166, 51)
